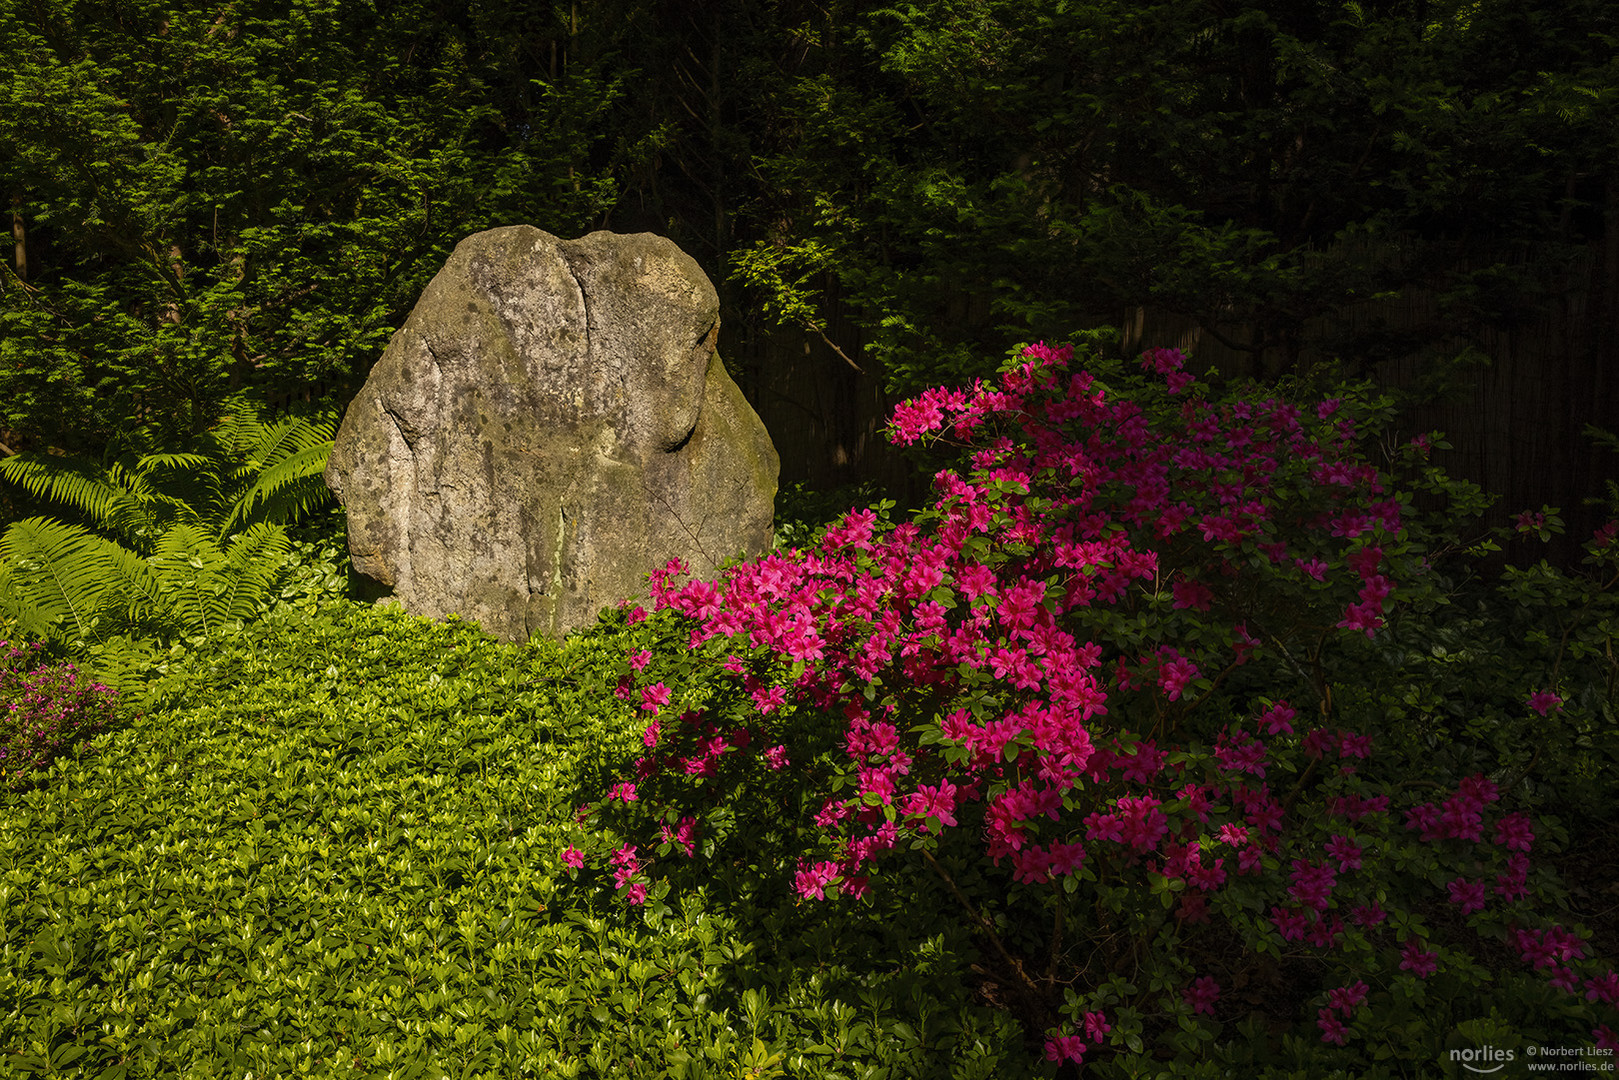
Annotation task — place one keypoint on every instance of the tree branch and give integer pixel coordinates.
(833, 346)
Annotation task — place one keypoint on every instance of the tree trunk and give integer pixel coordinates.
(19, 237)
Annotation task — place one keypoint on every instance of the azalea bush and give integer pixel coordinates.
(46, 710)
(1111, 689)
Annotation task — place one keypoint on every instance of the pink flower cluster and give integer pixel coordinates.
(868, 602)
(47, 711)
(626, 868)
(1344, 1000)
(1202, 994)
(1460, 817)
(967, 656)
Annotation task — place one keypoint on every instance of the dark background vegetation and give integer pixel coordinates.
(211, 196)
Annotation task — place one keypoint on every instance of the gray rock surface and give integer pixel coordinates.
(550, 424)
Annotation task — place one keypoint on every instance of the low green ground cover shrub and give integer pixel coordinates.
(329, 846)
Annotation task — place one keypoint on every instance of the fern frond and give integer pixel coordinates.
(60, 574)
(252, 446)
(252, 560)
(136, 598)
(200, 485)
(242, 426)
(159, 508)
(112, 502)
(153, 462)
(187, 563)
(286, 490)
(293, 436)
(24, 618)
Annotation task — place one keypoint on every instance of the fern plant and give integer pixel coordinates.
(161, 544)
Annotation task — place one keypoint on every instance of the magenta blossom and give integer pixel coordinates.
(1544, 701)
(1202, 994)
(654, 698)
(1417, 960)
(1347, 998)
(1061, 1048)
(1332, 1028)
(813, 880)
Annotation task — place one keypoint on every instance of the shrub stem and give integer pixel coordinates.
(1023, 986)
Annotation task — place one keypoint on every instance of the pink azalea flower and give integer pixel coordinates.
(1174, 676)
(1346, 851)
(1604, 989)
(1315, 568)
(1544, 701)
(1312, 884)
(1365, 561)
(1470, 896)
(1277, 720)
(1355, 746)
(768, 700)
(1514, 832)
(937, 801)
(1370, 914)
(1192, 594)
(813, 880)
(1061, 1048)
(1363, 616)
(1347, 998)
(1202, 994)
(1417, 960)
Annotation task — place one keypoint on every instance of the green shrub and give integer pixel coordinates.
(330, 846)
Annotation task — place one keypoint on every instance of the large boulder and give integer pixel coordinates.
(550, 424)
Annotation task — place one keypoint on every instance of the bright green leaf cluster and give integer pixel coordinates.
(164, 544)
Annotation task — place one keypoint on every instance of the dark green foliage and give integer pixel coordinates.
(1455, 658)
(254, 195)
(216, 197)
(973, 171)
